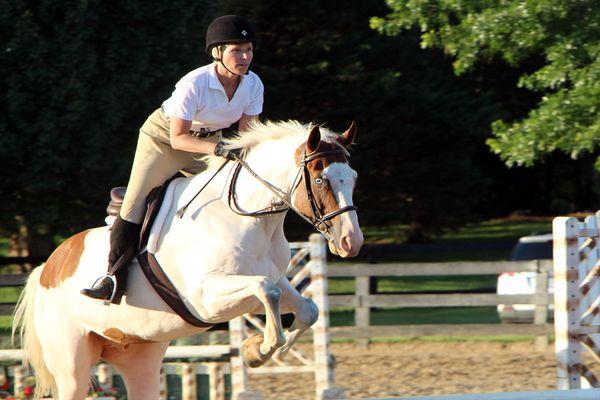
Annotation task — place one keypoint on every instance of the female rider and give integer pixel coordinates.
(186, 126)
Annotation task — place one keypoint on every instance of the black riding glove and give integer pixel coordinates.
(230, 154)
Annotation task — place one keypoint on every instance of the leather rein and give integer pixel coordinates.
(318, 220)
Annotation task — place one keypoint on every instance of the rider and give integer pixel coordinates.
(186, 126)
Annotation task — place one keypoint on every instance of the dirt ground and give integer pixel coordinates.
(420, 369)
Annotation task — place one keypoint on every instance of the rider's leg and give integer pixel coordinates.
(124, 240)
(153, 164)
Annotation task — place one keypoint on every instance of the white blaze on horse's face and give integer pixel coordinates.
(346, 233)
(331, 186)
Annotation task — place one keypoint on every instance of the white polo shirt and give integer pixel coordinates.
(200, 97)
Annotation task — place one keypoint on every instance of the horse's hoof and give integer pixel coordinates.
(251, 351)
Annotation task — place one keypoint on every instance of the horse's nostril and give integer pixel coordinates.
(346, 243)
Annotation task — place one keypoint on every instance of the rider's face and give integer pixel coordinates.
(237, 57)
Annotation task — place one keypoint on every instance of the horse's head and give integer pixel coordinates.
(325, 192)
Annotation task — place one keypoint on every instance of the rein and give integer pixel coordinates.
(318, 220)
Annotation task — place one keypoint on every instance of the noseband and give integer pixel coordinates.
(318, 220)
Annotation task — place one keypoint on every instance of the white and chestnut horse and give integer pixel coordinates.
(223, 263)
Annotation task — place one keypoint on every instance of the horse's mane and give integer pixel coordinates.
(259, 132)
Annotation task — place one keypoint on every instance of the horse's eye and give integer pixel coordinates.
(319, 181)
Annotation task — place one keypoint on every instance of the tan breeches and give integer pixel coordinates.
(155, 161)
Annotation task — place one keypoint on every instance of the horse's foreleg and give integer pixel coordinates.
(305, 312)
(228, 296)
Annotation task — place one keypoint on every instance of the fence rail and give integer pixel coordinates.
(363, 300)
(444, 269)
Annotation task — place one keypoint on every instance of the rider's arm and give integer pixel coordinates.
(182, 140)
(246, 120)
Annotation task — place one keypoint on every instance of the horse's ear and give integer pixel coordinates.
(347, 138)
(314, 138)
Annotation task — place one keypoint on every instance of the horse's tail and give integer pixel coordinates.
(30, 343)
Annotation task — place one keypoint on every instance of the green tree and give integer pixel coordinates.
(419, 128)
(564, 33)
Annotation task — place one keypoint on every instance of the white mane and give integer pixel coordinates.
(260, 132)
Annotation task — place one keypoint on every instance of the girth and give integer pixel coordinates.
(166, 290)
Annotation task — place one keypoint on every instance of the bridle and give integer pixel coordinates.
(318, 220)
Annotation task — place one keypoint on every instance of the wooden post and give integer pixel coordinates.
(323, 361)
(164, 389)
(362, 313)
(105, 376)
(19, 379)
(239, 374)
(216, 375)
(566, 301)
(540, 316)
(188, 382)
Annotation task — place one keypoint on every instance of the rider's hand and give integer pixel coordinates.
(230, 154)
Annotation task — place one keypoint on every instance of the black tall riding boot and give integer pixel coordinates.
(124, 244)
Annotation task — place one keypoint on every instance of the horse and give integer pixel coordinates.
(224, 264)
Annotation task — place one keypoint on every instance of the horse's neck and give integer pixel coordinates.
(274, 163)
(211, 237)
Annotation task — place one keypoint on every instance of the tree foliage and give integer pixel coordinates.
(418, 126)
(566, 33)
(78, 79)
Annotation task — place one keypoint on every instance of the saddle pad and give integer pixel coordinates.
(154, 202)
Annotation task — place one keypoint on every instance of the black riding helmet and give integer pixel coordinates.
(229, 29)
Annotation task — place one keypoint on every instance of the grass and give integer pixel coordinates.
(492, 230)
(9, 294)
(484, 241)
(420, 316)
(499, 229)
(4, 247)
(418, 284)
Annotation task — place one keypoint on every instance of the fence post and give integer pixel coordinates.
(323, 361)
(566, 303)
(188, 381)
(540, 316)
(163, 384)
(362, 313)
(19, 379)
(105, 376)
(216, 375)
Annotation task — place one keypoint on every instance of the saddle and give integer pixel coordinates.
(148, 262)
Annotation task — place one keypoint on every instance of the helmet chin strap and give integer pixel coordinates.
(219, 59)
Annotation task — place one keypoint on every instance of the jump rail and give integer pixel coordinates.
(576, 298)
(310, 263)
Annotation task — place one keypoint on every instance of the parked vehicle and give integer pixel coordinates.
(534, 247)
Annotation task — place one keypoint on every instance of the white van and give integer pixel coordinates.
(535, 247)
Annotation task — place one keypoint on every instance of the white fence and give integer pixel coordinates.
(576, 299)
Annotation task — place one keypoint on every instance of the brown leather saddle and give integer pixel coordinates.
(148, 262)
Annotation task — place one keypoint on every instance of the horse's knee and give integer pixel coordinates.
(269, 289)
(309, 313)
